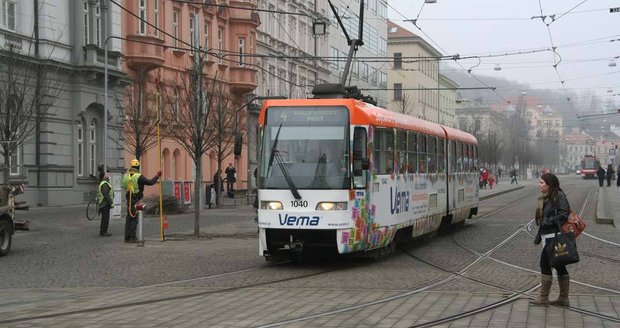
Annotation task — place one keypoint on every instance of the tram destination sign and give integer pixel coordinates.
(307, 115)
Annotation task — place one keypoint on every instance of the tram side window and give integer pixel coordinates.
(452, 156)
(441, 158)
(466, 167)
(412, 164)
(472, 167)
(384, 151)
(401, 151)
(422, 153)
(475, 157)
(431, 149)
(459, 156)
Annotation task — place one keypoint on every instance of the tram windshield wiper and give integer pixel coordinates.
(278, 157)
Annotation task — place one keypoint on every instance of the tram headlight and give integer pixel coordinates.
(331, 206)
(270, 205)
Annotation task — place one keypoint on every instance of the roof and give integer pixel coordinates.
(397, 31)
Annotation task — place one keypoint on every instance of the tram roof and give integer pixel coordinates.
(367, 114)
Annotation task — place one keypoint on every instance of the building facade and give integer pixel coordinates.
(367, 73)
(64, 41)
(413, 75)
(160, 49)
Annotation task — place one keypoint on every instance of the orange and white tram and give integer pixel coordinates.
(345, 176)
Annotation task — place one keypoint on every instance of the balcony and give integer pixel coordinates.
(144, 52)
(242, 79)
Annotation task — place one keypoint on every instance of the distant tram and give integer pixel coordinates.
(344, 176)
(589, 165)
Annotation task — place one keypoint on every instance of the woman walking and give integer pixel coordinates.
(551, 213)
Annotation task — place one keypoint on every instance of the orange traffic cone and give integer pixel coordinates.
(166, 225)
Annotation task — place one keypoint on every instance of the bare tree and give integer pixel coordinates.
(402, 105)
(141, 114)
(196, 116)
(28, 90)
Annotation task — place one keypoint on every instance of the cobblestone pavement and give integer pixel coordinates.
(62, 274)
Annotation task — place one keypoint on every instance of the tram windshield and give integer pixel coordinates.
(305, 148)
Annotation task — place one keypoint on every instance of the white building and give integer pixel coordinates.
(367, 74)
(417, 87)
(66, 39)
(291, 59)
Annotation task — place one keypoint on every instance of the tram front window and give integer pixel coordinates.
(311, 154)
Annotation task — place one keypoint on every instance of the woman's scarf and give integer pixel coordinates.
(539, 208)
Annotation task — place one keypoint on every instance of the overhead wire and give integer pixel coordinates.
(433, 41)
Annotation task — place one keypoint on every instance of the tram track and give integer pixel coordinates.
(516, 294)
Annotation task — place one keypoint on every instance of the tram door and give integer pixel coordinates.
(360, 158)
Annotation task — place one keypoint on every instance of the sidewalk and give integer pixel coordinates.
(503, 187)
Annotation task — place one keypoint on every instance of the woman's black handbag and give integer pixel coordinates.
(563, 250)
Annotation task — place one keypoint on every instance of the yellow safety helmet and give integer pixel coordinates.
(134, 163)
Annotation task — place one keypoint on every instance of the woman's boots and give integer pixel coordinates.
(545, 287)
(564, 282)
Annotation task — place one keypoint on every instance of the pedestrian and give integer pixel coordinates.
(230, 177)
(618, 180)
(609, 174)
(485, 178)
(491, 182)
(513, 176)
(133, 183)
(600, 173)
(105, 204)
(217, 181)
(499, 173)
(551, 212)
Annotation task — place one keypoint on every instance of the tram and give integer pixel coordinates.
(589, 165)
(344, 176)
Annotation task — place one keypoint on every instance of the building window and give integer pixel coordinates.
(156, 16)
(220, 44)
(241, 51)
(398, 60)
(8, 15)
(98, 25)
(175, 105)
(92, 147)
(143, 17)
(334, 58)
(398, 91)
(206, 38)
(382, 9)
(15, 161)
(80, 149)
(192, 23)
(364, 72)
(175, 27)
(85, 19)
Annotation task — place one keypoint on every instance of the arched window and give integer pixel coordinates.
(92, 147)
(176, 164)
(167, 171)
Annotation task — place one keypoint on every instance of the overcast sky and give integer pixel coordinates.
(475, 27)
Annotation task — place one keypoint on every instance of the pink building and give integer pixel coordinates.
(157, 48)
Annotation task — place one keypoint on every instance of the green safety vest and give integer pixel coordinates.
(130, 182)
(100, 196)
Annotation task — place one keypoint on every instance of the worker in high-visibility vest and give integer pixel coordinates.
(133, 183)
(105, 203)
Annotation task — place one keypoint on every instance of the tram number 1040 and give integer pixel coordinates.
(299, 203)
